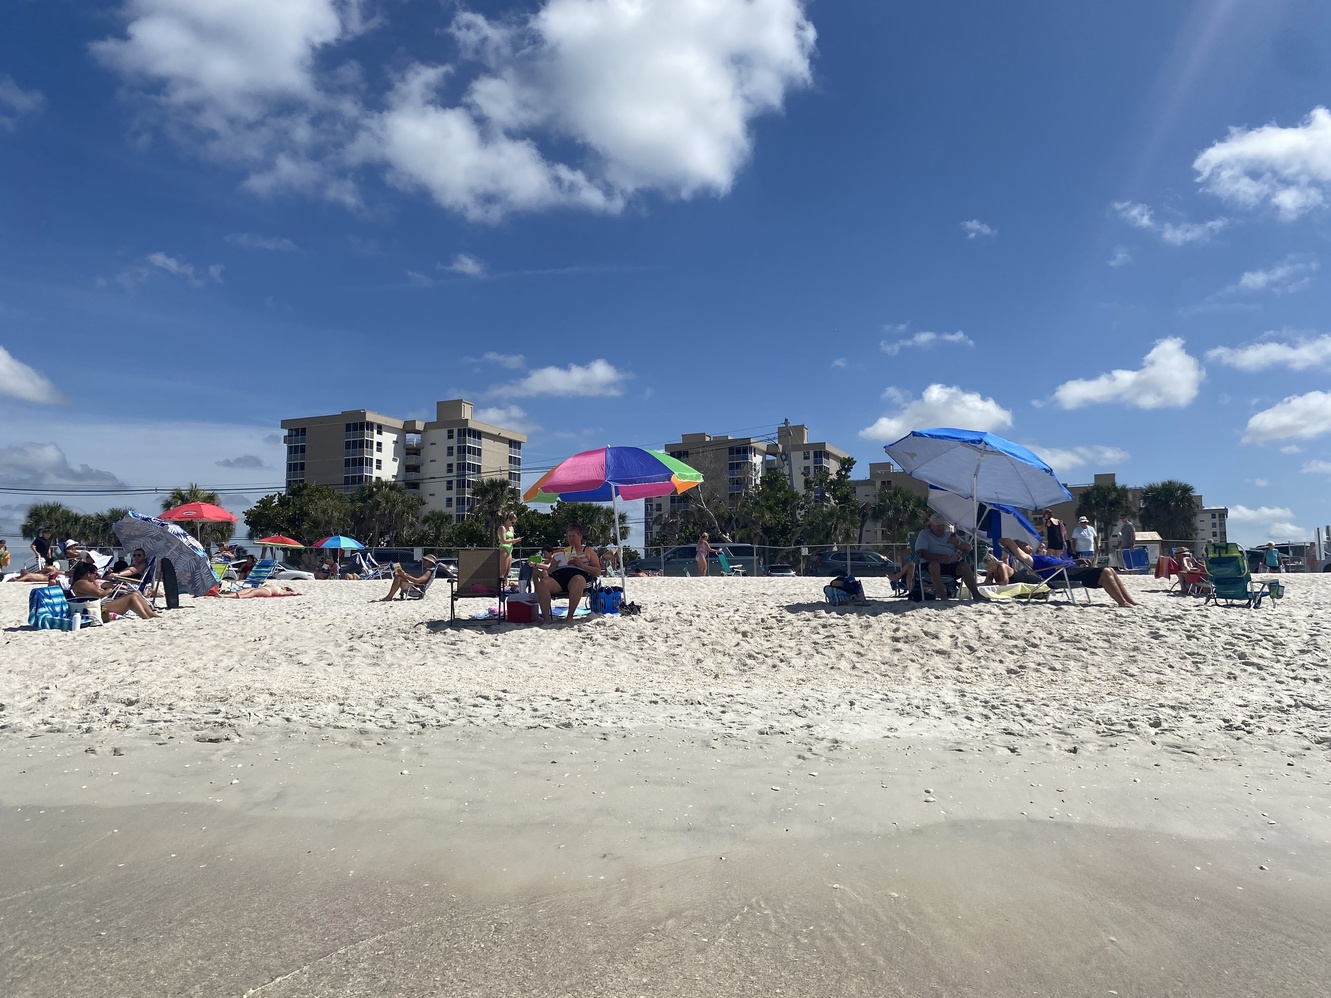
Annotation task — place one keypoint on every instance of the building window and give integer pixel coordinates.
(449, 486)
(806, 455)
(378, 446)
(378, 465)
(448, 470)
(448, 501)
(450, 434)
(450, 452)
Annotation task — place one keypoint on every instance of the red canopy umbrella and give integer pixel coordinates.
(198, 512)
(280, 541)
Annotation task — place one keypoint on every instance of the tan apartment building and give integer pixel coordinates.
(730, 465)
(441, 459)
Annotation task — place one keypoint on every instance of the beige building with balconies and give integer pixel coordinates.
(441, 459)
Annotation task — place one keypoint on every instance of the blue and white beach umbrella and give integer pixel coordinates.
(160, 539)
(978, 466)
(996, 520)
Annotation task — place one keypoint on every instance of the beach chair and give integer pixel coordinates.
(1231, 580)
(371, 569)
(411, 591)
(479, 577)
(726, 567)
(1059, 582)
(49, 610)
(1136, 561)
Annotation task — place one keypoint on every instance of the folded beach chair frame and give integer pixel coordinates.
(1059, 582)
(371, 569)
(1231, 579)
(478, 577)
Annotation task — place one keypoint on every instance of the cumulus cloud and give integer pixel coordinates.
(244, 461)
(1286, 168)
(940, 405)
(250, 240)
(186, 270)
(1298, 417)
(923, 340)
(1304, 352)
(576, 104)
(599, 378)
(19, 381)
(1121, 257)
(45, 464)
(15, 103)
(1294, 273)
(1260, 514)
(1141, 216)
(1168, 378)
(1067, 458)
(1265, 523)
(510, 417)
(466, 265)
(1316, 467)
(974, 229)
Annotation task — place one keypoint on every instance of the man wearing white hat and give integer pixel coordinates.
(1085, 540)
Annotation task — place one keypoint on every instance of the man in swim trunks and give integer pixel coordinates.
(577, 566)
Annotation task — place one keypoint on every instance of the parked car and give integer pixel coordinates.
(782, 571)
(681, 560)
(285, 573)
(861, 563)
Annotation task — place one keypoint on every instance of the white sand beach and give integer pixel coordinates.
(741, 789)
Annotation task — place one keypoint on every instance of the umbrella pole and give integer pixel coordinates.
(619, 541)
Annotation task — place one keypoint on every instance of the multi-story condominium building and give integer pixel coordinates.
(730, 465)
(442, 459)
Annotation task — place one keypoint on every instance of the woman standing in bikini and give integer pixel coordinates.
(507, 539)
(701, 551)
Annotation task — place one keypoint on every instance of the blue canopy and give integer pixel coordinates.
(978, 466)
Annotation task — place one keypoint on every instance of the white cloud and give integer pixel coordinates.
(1291, 449)
(1140, 216)
(466, 265)
(510, 417)
(1299, 355)
(1316, 468)
(1067, 458)
(1287, 168)
(579, 103)
(1261, 483)
(1121, 257)
(940, 405)
(45, 464)
(839, 362)
(19, 381)
(1298, 417)
(419, 280)
(599, 378)
(1169, 378)
(1294, 273)
(15, 102)
(974, 228)
(1261, 514)
(924, 340)
(186, 270)
(513, 361)
(250, 240)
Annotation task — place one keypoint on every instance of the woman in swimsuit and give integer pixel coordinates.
(85, 584)
(507, 539)
(703, 549)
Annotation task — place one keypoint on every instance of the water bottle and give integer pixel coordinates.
(78, 620)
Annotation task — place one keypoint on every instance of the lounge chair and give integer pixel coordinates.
(370, 569)
(412, 591)
(1230, 578)
(1136, 561)
(479, 577)
(259, 574)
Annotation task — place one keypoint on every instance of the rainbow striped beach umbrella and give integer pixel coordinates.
(610, 473)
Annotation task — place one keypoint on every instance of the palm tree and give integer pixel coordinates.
(436, 529)
(62, 520)
(207, 533)
(898, 510)
(1170, 509)
(1103, 505)
(492, 499)
(385, 512)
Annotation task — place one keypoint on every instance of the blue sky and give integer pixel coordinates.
(1095, 229)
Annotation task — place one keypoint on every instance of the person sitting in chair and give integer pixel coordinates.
(942, 552)
(1046, 566)
(576, 567)
(401, 580)
(137, 567)
(85, 584)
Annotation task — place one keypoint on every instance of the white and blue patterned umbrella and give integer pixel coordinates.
(159, 540)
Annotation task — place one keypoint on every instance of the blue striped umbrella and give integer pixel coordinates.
(160, 539)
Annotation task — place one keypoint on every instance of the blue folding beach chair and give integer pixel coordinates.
(48, 610)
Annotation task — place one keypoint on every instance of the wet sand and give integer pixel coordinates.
(655, 862)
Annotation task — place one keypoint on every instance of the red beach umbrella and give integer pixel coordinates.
(197, 512)
(280, 541)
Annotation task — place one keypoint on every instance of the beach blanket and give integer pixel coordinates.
(1017, 590)
(556, 611)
